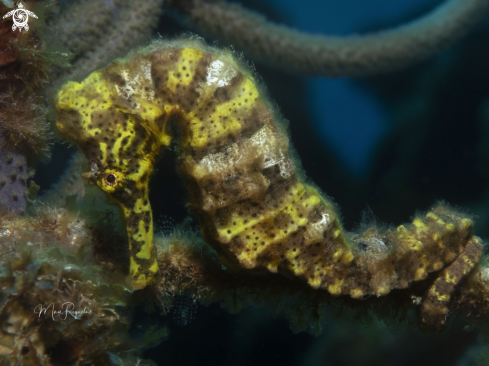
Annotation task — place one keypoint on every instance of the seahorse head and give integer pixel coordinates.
(111, 118)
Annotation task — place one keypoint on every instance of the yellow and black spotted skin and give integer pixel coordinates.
(254, 209)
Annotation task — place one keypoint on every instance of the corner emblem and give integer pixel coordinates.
(20, 16)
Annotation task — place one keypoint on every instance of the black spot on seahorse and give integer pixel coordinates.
(222, 94)
(147, 220)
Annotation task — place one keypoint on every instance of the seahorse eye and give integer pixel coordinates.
(110, 179)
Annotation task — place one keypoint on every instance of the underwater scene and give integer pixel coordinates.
(252, 183)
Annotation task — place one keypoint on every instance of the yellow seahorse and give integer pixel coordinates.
(254, 208)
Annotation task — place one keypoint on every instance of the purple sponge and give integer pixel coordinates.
(13, 182)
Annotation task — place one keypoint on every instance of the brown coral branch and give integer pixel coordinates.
(104, 30)
(23, 124)
(321, 55)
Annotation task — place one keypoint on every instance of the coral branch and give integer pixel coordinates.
(69, 184)
(104, 30)
(23, 125)
(356, 55)
(191, 268)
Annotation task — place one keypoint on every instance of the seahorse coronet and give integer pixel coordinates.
(255, 209)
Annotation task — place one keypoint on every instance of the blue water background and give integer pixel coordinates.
(349, 118)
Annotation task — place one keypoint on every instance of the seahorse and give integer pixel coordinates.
(255, 209)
